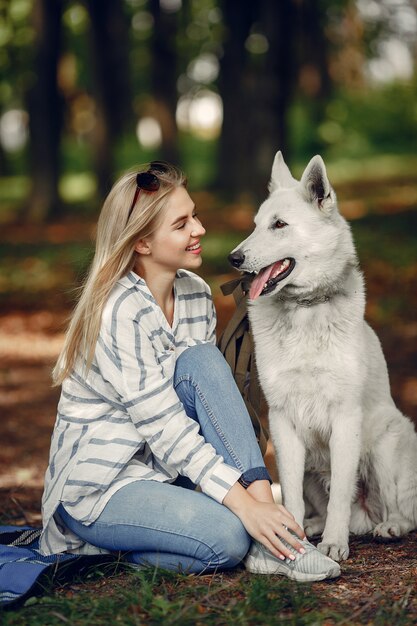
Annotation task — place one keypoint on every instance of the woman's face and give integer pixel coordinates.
(176, 242)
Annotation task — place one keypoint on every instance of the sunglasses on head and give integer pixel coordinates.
(147, 181)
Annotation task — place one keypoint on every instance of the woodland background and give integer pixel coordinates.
(91, 88)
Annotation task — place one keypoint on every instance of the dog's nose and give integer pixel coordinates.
(236, 258)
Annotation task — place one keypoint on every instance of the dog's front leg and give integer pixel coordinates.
(345, 442)
(290, 454)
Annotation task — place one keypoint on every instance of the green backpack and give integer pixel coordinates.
(236, 345)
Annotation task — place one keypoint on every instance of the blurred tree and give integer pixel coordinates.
(256, 84)
(313, 54)
(275, 86)
(111, 86)
(44, 104)
(345, 47)
(236, 138)
(4, 166)
(164, 74)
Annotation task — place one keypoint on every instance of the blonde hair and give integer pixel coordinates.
(114, 257)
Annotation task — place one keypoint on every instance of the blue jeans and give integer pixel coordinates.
(171, 525)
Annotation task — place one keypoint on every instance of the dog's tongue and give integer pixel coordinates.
(259, 281)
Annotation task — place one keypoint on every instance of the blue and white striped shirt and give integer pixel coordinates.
(124, 421)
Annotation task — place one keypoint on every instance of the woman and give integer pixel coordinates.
(149, 409)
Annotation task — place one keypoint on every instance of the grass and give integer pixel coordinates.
(154, 597)
(380, 168)
(388, 238)
(158, 597)
(32, 270)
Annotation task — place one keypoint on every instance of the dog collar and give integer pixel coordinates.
(312, 301)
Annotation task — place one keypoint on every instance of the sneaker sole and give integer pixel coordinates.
(252, 565)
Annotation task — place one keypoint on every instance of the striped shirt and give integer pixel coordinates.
(124, 421)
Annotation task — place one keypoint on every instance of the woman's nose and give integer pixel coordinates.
(198, 229)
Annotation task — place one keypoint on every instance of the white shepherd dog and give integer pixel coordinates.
(347, 457)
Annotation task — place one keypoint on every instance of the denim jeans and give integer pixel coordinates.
(171, 525)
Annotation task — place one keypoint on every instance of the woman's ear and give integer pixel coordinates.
(142, 246)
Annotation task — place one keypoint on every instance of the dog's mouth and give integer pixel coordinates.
(269, 276)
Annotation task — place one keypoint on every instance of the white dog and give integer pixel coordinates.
(347, 457)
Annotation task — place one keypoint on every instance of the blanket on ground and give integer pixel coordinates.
(24, 571)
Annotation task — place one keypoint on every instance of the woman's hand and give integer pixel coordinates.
(265, 521)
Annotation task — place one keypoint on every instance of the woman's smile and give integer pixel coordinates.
(194, 248)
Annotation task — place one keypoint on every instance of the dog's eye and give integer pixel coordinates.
(280, 224)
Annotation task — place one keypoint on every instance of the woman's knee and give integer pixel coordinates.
(222, 545)
(202, 358)
(231, 544)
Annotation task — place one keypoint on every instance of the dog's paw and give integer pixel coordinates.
(314, 526)
(337, 552)
(388, 531)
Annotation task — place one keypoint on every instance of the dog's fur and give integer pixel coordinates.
(347, 457)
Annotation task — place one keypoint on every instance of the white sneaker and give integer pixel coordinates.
(308, 567)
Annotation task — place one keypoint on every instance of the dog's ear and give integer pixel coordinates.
(280, 175)
(315, 185)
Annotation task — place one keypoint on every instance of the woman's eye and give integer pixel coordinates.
(195, 217)
(280, 224)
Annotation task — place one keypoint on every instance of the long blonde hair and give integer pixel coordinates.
(114, 257)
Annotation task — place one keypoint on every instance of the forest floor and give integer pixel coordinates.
(379, 581)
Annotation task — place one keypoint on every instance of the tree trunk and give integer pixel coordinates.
(256, 91)
(274, 90)
(109, 50)
(45, 113)
(236, 140)
(164, 74)
(315, 82)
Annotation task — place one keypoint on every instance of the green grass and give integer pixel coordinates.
(159, 597)
(388, 238)
(380, 168)
(155, 597)
(33, 269)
